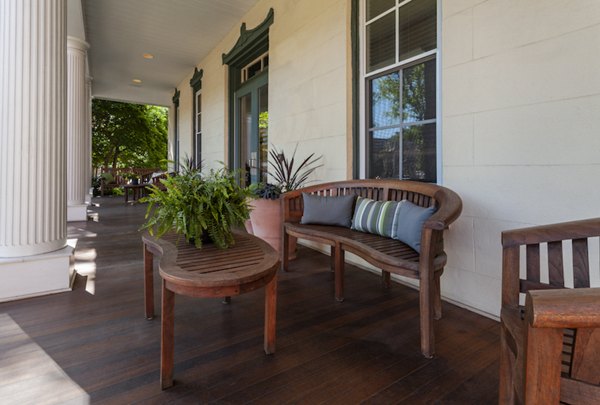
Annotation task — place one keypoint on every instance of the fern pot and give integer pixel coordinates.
(265, 222)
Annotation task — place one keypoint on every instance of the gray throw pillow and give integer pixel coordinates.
(409, 224)
(320, 210)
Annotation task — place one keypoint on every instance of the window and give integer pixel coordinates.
(196, 85)
(400, 89)
(198, 127)
(255, 67)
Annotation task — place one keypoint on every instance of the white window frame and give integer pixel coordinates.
(244, 71)
(362, 91)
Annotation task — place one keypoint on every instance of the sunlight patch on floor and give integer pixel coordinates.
(28, 375)
(85, 265)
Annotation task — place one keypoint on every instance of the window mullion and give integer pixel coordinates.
(397, 30)
(401, 135)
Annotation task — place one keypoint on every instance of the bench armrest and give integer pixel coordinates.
(551, 233)
(450, 208)
(563, 308)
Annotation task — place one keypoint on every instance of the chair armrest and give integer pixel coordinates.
(563, 308)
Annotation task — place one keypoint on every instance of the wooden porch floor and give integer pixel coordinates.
(365, 349)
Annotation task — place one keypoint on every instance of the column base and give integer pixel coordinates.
(88, 196)
(31, 276)
(77, 212)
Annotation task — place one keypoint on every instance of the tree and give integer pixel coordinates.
(128, 135)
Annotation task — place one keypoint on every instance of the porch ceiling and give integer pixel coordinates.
(179, 33)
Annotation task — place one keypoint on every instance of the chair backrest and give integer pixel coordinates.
(543, 251)
(564, 255)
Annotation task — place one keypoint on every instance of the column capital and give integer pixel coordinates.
(77, 43)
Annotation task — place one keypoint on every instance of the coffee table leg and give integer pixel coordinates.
(167, 342)
(148, 283)
(270, 315)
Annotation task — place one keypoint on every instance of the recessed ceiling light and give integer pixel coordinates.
(148, 56)
(137, 81)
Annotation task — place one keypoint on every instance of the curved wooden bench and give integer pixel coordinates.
(390, 255)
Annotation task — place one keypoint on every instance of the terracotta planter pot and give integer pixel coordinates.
(265, 222)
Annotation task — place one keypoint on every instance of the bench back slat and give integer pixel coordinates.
(448, 203)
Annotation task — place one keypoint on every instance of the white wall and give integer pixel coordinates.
(521, 95)
(307, 85)
(520, 101)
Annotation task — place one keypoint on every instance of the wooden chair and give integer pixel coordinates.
(550, 347)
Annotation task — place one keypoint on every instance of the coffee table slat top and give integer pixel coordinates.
(249, 259)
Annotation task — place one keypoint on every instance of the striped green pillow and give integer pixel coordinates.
(376, 217)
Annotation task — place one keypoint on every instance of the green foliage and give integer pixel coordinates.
(195, 205)
(286, 174)
(128, 135)
(118, 191)
(288, 177)
(267, 191)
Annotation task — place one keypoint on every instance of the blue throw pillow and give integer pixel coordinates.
(409, 224)
(376, 217)
(324, 210)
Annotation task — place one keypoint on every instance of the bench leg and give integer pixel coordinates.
(437, 308)
(339, 273)
(332, 258)
(167, 341)
(270, 315)
(437, 296)
(426, 317)
(148, 283)
(285, 250)
(386, 279)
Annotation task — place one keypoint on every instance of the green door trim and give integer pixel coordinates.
(248, 42)
(249, 46)
(196, 85)
(355, 49)
(176, 130)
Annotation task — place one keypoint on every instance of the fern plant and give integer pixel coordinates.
(197, 206)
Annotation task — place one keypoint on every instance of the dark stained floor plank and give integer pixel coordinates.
(365, 349)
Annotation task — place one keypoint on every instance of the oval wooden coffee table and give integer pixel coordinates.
(208, 272)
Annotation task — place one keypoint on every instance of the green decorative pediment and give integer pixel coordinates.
(176, 97)
(250, 43)
(196, 80)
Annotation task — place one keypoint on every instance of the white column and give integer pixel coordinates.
(34, 257)
(88, 138)
(77, 151)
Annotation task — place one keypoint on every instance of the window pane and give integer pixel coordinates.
(263, 132)
(198, 151)
(385, 101)
(384, 156)
(418, 153)
(418, 92)
(245, 117)
(417, 24)
(376, 7)
(381, 39)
